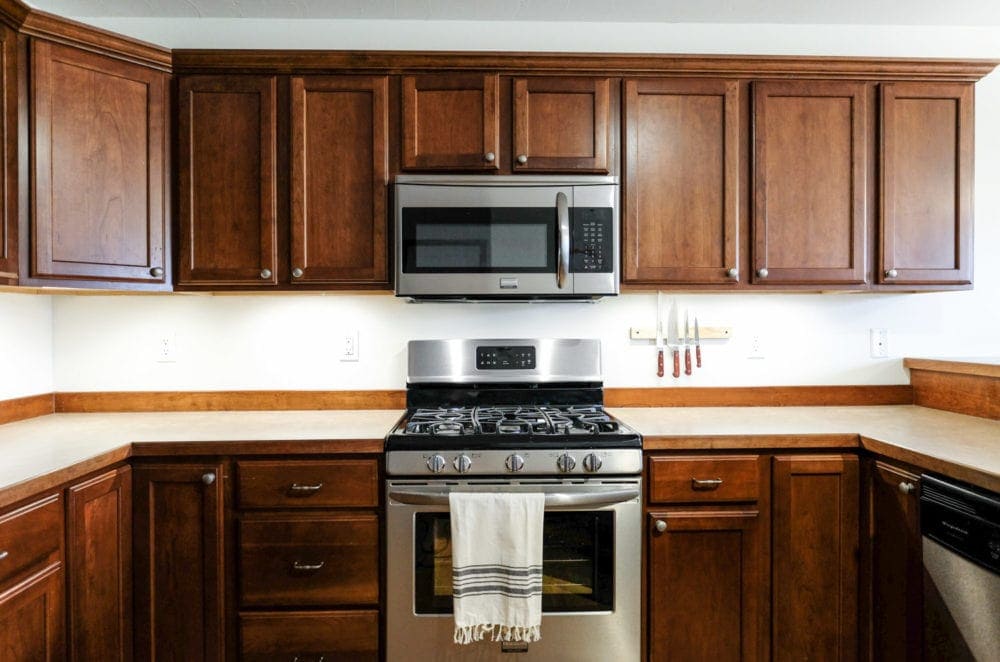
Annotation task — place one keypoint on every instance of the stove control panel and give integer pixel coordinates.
(505, 358)
(506, 462)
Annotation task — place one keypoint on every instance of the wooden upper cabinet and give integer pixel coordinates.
(8, 156)
(681, 180)
(927, 173)
(810, 177)
(451, 122)
(562, 124)
(98, 146)
(340, 180)
(227, 180)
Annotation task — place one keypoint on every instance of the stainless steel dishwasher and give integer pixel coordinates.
(961, 549)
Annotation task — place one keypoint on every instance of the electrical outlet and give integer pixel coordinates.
(349, 346)
(756, 347)
(878, 343)
(166, 349)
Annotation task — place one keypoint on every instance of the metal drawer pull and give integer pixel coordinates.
(552, 501)
(4, 554)
(305, 490)
(299, 566)
(306, 658)
(705, 483)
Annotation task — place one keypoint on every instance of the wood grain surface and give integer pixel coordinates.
(976, 395)
(759, 396)
(19, 409)
(226, 400)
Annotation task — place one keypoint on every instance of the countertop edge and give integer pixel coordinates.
(931, 463)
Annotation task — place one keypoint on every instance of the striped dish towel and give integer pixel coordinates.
(497, 565)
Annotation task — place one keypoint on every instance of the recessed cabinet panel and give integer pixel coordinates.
(927, 161)
(681, 180)
(339, 180)
(32, 620)
(8, 156)
(227, 181)
(810, 173)
(98, 142)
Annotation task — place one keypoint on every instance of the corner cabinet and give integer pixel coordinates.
(98, 170)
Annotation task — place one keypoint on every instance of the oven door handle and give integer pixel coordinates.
(553, 501)
(562, 238)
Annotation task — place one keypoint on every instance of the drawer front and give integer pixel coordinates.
(308, 484)
(684, 479)
(309, 560)
(30, 536)
(348, 636)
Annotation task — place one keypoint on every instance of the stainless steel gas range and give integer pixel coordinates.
(520, 416)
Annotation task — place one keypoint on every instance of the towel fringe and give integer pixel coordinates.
(497, 632)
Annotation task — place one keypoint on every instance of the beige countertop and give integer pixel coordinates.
(44, 452)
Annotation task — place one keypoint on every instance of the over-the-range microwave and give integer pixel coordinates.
(521, 237)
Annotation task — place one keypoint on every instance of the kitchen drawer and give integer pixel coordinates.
(30, 536)
(346, 636)
(290, 560)
(686, 479)
(308, 484)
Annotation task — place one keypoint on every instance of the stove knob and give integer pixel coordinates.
(436, 463)
(462, 464)
(566, 463)
(514, 463)
(592, 463)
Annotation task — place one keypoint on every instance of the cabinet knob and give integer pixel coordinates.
(907, 488)
(265, 273)
(891, 273)
(522, 158)
(733, 273)
(489, 157)
(296, 273)
(660, 526)
(208, 478)
(156, 272)
(4, 554)
(762, 272)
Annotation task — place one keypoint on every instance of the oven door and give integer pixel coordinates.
(591, 572)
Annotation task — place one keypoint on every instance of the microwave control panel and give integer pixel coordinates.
(591, 241)
(505, 358)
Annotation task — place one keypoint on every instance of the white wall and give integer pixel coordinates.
(290, 342)
(25, 345)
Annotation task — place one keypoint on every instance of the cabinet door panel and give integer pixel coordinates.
(8, 156)
(681, 182)
(98, 170)
(810, 178)
(927, 173)
(99, 558)
(815, 557)
(706, 586)
(31, 619)
(227, 181)
(339, 179)
(178, 562)
(562, 124)
(451, 122)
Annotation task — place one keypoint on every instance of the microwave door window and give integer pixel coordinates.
(479, 240)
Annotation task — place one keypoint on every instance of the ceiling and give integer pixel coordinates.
(852, 12)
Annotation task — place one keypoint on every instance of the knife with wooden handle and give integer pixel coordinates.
(687, 345)
(659, 334)
(697, 344)
(673, 342)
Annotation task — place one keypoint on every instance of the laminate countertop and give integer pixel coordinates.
(48, 451)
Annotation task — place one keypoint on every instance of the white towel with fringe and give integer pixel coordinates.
(496, 543)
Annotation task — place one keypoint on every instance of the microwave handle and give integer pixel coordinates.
(562, 237)
(553, 501)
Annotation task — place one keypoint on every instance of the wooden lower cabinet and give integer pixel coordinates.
(707, 585)
(32, 624)
(330, 636)
(814, 557)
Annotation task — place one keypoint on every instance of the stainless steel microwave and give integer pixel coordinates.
(520, 237)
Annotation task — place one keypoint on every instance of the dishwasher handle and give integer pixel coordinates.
(553, 501)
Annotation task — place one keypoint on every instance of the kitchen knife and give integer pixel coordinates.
(687, 345)
(697, 344)
(672, 340)
(659, 334)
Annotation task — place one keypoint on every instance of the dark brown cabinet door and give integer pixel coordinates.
(227, 181)
(681, 180)
(897, 568)
(98, 146)
(99, 559)
(8, 156)
(927, 173)
(814, 557)
(178, 562)
(339, 180)
(31, 619)
(706, 586)
(562, 124)
(810, 175)
(451, 122)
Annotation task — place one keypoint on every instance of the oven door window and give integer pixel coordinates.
(577, 562)
(479, 239)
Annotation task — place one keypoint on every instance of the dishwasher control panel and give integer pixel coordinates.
(963, 518)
